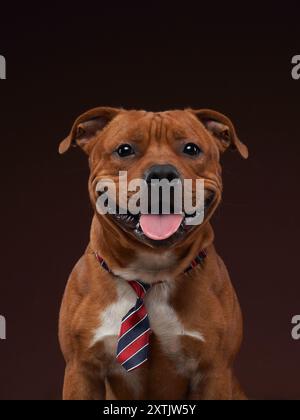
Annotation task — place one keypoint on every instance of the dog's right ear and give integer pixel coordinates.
(222, 130)
(86, 128)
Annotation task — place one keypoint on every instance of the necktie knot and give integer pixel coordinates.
(139, 288)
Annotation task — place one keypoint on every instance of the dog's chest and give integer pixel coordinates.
(164, 322)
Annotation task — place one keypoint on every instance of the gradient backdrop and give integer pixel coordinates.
(62, 62)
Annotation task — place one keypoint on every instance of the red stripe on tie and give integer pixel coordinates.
(134, 347)
(140, 292)
(132, 320)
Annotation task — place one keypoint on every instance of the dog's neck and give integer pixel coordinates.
(131, 260)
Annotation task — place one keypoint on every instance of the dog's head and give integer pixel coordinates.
(173, 146)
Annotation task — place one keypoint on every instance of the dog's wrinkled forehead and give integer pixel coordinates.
(112, 125)
(166, 125)
(144, 129)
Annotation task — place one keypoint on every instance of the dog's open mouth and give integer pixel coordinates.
(157, 227)
(160, 229)
(160, 226)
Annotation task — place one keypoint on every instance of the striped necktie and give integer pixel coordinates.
(133, 343)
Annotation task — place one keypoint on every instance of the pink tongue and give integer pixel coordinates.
(160, 226)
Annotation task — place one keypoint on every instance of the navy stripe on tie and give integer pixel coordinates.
(137, 306)
(137, 359)
(132, 334)
(143, 285)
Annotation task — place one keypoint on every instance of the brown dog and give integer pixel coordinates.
(194, 316)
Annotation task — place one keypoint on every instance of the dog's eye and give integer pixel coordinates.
(125, 150)
(192, 149)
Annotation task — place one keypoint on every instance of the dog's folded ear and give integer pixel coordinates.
(221, 129)
(86, 127)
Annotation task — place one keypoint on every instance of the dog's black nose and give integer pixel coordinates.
(159, 172)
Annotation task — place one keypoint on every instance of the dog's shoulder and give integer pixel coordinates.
(88, 291)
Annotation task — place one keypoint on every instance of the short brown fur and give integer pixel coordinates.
(204, 299)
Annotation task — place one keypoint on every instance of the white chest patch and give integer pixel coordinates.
(110, 318)
(163, 319)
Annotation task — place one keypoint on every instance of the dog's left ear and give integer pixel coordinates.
(86, 127)
(221, 129)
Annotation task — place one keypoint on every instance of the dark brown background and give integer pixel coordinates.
(62, 62)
